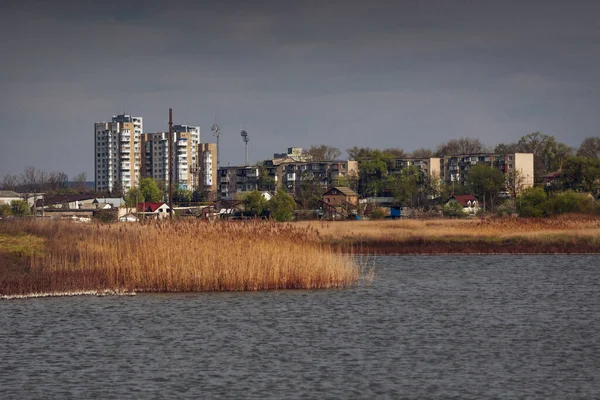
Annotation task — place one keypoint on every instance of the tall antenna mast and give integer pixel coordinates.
(245, 138)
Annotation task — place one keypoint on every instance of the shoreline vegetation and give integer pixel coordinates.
(51, 258)
(566, 234)
(46, 257)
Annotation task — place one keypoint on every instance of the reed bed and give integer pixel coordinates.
(572, 233)
(171, 256)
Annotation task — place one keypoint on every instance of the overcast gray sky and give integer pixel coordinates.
(371, 73)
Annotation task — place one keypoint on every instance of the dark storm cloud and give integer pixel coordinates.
(376, 73)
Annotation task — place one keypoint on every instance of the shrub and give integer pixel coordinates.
(19, 208)
(106, 216)
(532, 202)
(378, 213)
(282, 206)
(5, 210)
(453, 210)
(509, 207)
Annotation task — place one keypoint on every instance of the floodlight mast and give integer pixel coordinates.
(245, 138)
(216, 130)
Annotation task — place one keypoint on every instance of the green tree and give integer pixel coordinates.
(149, 190)
(309, 192)
(486, 182)
(198, 196)
(373, 166)
(581, 174)
(254, 203)
(406, 185)
(282, 206)
(532, 202)
(5, 210)
(134, 196)
(182, 196)
(19, 208)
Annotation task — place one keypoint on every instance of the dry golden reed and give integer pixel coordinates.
(173, 256)
(539, 229)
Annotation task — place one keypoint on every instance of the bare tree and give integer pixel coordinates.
(506, 148)
(590, 147)
(79, 183)
(514, 183)
(422, 153)
(460, 146)
(56, 182)
(323, 152)
(10, 182)
(396, 152)
(32, 182)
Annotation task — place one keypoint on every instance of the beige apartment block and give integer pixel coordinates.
(185, 156)
(431, 167)
(455, 169)
(207, 167)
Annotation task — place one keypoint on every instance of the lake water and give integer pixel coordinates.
(427, 327)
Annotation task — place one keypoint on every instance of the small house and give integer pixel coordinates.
(128, 218)
(339, 196)
(153, 210)
(7, 196)
(65, 201)
(468, 202)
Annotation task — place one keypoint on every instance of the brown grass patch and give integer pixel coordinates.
(178, 256)
(564, 234)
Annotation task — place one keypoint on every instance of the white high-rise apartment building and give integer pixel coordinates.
(117, 148)
(186, 139)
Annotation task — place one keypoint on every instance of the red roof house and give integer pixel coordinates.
(159, 210)
(468, 202)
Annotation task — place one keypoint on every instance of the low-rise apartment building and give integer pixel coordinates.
(289, 174)
(431, 167)
(456, 168)
(237, 180)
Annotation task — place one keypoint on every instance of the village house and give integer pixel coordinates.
(8, 196)
(153, 210)
(65, 201)
(468, 202)
(338, 196)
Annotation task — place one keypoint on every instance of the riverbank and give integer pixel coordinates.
(61, 257)
(572, 234)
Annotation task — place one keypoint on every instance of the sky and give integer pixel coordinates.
(375, 73)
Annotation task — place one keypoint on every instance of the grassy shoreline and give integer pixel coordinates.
(573, 234)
